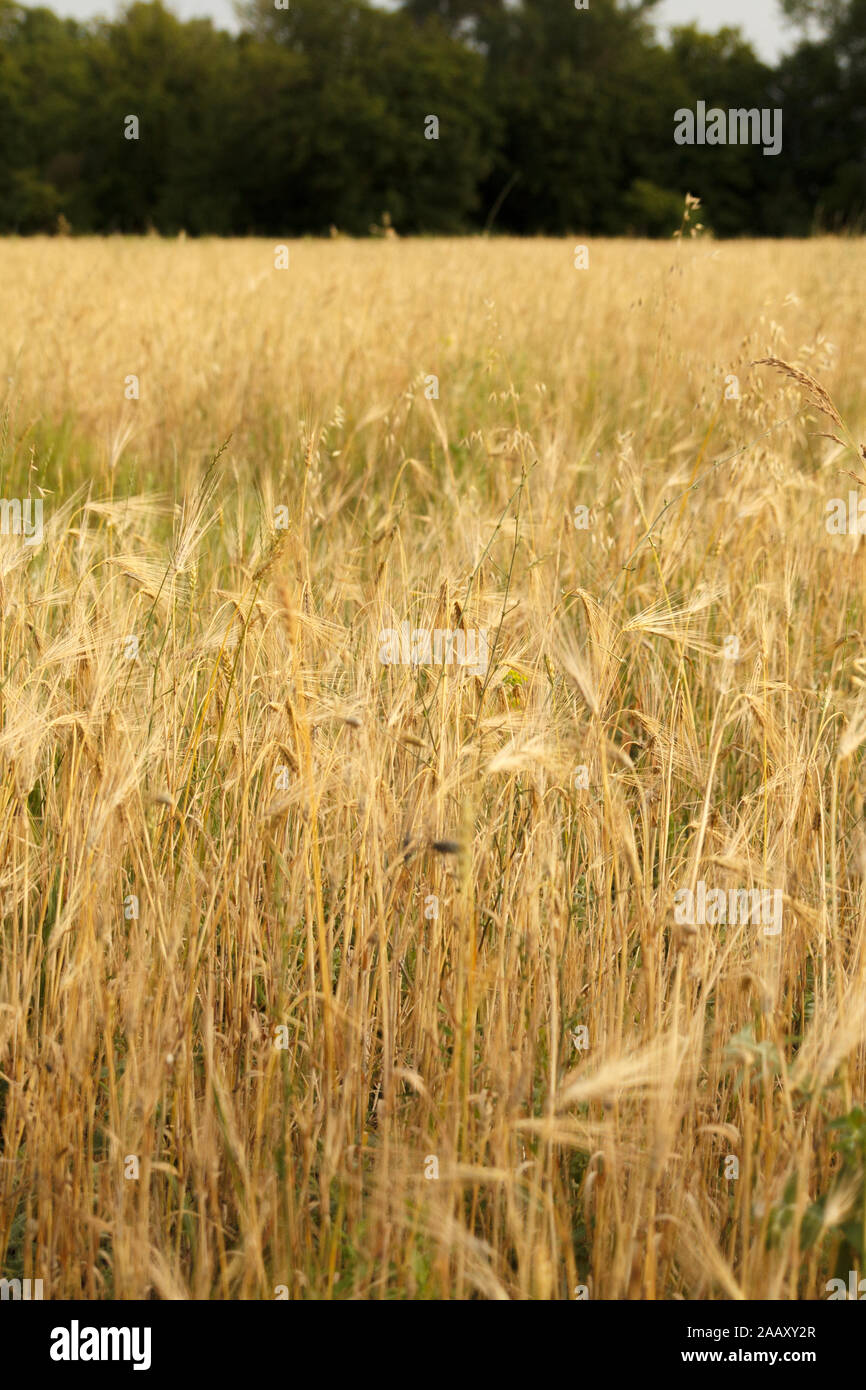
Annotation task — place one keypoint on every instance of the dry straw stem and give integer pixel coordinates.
(386, 1000)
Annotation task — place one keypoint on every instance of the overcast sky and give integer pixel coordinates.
(760, 20)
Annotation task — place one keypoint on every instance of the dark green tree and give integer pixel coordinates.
(44, 85)
(549, 119)
(358, 110)
(722, 70)
(822, 86)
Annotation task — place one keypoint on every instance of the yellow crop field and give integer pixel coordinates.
(431, 788)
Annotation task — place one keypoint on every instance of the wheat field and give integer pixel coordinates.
(323, 977)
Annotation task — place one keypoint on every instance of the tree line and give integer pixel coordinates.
(440, 116)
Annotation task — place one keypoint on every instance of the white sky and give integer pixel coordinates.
(760, 20)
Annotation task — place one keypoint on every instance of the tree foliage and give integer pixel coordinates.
(548, 120)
